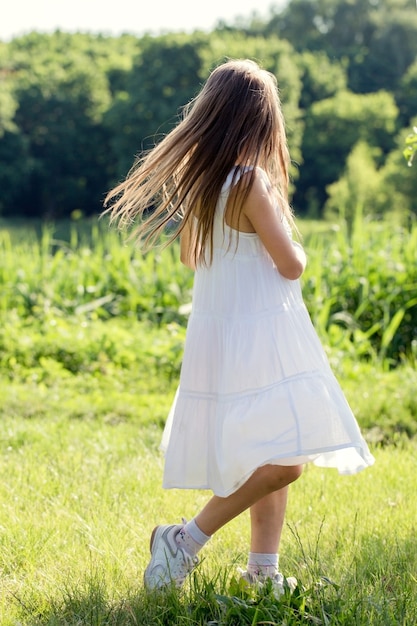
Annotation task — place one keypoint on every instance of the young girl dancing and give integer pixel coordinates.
(257, 398)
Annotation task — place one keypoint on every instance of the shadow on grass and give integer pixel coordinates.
(211, 602)
(380, 590)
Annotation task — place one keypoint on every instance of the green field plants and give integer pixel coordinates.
(93, 272)
(359, 285)
(361, 288)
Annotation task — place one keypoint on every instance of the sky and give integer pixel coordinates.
(114, 17)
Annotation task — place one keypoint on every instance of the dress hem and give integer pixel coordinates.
(303, 459)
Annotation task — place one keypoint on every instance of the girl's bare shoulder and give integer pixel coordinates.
(260, 187)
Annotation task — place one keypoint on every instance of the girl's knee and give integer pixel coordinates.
(295, 472)
(291, 472)
(279, 476)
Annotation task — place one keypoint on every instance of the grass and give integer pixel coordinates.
(80, 497)
(91, 340)
(81, 491)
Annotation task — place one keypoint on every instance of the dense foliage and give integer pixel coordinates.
(359, 286)
(75, 109)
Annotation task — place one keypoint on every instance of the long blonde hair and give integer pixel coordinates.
(235, 120)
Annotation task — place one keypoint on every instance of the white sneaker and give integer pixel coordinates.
(278, 582)
(169, 564)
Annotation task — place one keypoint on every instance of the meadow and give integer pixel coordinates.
(91, 341)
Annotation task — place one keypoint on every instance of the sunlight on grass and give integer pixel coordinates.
(80, 498)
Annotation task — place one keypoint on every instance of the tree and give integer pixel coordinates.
(61, 103)
(377, 38)
(321, 78)
(165, 75)
(15, 169)
(410, 146)
(398, 181)
(333, 127)
(14, 157)
(75, 109)
(391, 50)
(302, 23)
(8, 106)
(406, 95)
(359, 188)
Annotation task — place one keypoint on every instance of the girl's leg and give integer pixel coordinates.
(267, 519)
(170, 560)
(263, 482)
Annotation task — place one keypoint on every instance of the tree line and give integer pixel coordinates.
(75, 109)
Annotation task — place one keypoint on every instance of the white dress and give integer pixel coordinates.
(255, 386)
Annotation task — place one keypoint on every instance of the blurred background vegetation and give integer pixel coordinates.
(75, 109)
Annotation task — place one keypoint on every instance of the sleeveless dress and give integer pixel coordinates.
(255, 387)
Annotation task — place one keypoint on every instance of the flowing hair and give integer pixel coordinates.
(235, 121)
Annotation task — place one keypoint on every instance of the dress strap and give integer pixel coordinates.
(234, 176)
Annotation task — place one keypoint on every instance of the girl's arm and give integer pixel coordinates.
(188, 244)
(259, 208)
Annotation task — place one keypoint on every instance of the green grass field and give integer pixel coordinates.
(79, 498)
(91, 341)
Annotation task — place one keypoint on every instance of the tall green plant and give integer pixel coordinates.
(411, 146)
(360, 288)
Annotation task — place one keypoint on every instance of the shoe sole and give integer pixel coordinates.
(152, 539)
(151, 542)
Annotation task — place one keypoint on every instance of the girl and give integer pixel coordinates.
(257, 398)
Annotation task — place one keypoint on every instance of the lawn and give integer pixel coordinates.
(79, 498)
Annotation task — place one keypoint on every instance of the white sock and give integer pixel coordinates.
(192, 538)
(262, 565)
